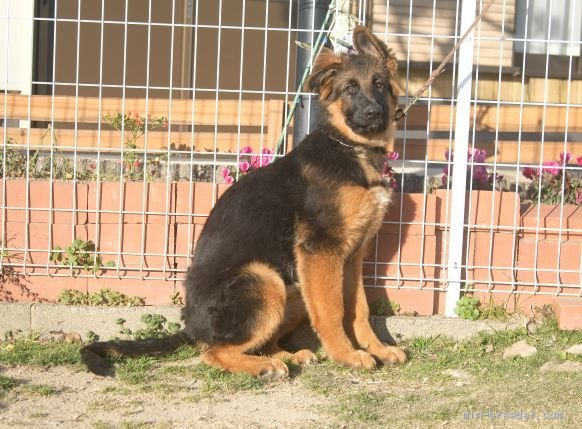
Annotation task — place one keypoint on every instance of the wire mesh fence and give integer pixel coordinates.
(123, 121)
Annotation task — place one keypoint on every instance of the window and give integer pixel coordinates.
(555, 31)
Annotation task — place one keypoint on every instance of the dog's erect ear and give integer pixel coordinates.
(366, 43)
(324, 68)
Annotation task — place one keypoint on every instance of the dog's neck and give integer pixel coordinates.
(358, 146)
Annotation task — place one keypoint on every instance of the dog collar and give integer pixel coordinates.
(340, 142)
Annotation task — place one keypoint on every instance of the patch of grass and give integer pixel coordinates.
(219, 381)
(100, 424)
(361, 407)
(6, 384)
(155, 326)
(494, 311)
(325, 377)
(38, 415)
(422, 393)
(137, 370)
(39, 389)
(183, 353)
(211, 380)
(103, 297)
(38, 353)
(384, 307)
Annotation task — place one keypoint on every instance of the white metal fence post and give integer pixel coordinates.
(459, 179)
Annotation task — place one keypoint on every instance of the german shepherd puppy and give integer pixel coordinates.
(287, 241)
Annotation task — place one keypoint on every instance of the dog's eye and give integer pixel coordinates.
(351, 88)
(379, 84)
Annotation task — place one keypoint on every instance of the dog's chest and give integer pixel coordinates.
(362, 211)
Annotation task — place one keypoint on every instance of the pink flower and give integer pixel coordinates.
(258, 161)
(579, 160)
(244, 166)
(549, 167)
(392, 156)
(246, 150)
(479, 155)
(449, 155)
(255, 161)
(226, 176)
(445, 179)
(565, 158)
(480, 174)
(529, 173)
(579, 196)
(267, 157)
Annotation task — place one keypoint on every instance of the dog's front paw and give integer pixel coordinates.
(273, 369)
(303, 357)
(356, 359)
(389, 355)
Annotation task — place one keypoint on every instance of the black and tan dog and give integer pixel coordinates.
(287, 241)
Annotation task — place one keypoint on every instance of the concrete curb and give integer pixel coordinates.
(47, 318)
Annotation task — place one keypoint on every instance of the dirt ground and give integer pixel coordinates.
(82, 399)
(446, 384)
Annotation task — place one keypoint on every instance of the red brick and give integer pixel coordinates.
(568, 313)
(205, 196)
(130, 202)
(69, 202)
(185, 244)
(75, 205)
(409, 262)
(151, 245)
(490, 258)
(42, 288)
(487, 208)
(410, 300)
(547, 259)
(194, 201)
(567, 217)
(37, 248)
(418, 215)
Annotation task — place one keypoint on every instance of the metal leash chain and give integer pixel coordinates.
(401, 113)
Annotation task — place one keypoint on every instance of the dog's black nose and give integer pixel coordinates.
(373, 112)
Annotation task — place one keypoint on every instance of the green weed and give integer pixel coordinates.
(104, 297)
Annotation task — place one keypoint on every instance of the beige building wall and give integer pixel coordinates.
(426, 20)
(194, 56)
(196, 59)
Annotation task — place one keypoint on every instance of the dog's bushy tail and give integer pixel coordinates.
(94, 354)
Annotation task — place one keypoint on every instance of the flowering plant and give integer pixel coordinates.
(552, 179)
(247, 163)
(388, 173)
(135, 125)
(483, 179)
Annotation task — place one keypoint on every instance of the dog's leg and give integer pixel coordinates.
(295, 313)
(321, 277)
(269, 293)
(357, 314)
